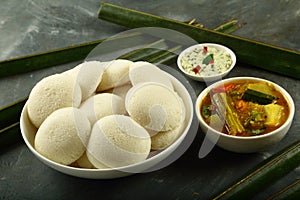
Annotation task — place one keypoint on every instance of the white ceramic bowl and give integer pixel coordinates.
(29, 131)
(212, 77)
(242, 144)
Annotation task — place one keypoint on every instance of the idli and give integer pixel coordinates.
(115, 74)
(154, 106)
(101, 105)
(121, 91)
(63, 136)
(83, 162)
(162, 140)
(88, 75)
(142, 71)
(51, 93)
(116, 141)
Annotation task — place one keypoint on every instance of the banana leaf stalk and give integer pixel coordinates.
(150, 49)
(69, 54)
(264, 174)
(10, 135)
(254, 53)
(73, 53)
(9, 114)
(290, 192)
(164, 57)
(229, 26)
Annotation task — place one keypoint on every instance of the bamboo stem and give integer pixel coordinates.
(264, 175)
(229, 26)
(10, 135)
(64, 55)
(290, 192)
(56, 57)
(10, 113)
(251, 52)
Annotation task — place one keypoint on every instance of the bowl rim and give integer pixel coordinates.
(286, 95)
(126, 169)
(219, 46)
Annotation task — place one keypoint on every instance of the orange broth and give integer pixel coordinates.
(245, 109)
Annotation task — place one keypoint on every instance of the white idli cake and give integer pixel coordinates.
(115, 74)
(140, 72)
(163, 139)
(101, 105)
(117, 141)
(121, 91)
(88, 75)
(84, 162)
(154, 106)
(51, 93)
(63, 136)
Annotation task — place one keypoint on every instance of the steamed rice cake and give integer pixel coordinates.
(117, 140)
(115, 74)
(51, 93)
(63, 136)
(88, 75)
(121, 91)
(101, 105)
(154, 106)
(162, 140)
(83, 162)
(142, 71)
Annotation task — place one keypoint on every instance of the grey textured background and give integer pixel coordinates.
(33, 26)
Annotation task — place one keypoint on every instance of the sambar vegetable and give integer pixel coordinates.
(247, 108)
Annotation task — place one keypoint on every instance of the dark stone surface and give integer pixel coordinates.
(33, 26)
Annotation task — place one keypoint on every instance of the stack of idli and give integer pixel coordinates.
(105, 114)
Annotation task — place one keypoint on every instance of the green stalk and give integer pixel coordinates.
(264, 175)
(10, 113)
(68, 54)
(10, 135)
(290, 192)
(229, 26)
(142, 55)
(251, 52)
(59, 56)
(226, 25)
(150, 49)
(164, 57)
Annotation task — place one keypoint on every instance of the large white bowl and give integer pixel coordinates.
(29, 131)
(212, 77)
(242, 144)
